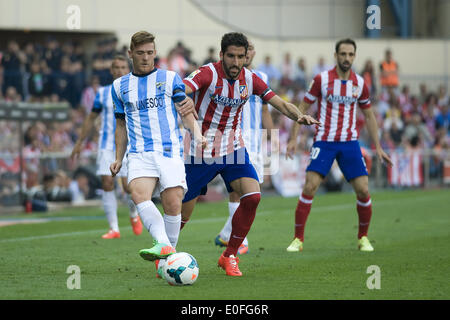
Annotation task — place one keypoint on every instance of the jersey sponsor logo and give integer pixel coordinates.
(231, 102)
(153, 102)
(341, 99)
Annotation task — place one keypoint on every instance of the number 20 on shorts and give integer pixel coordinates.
(315, 153)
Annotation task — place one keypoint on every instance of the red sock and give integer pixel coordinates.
(242, 222)
(183, 223)
(364, 208)
(301, 214)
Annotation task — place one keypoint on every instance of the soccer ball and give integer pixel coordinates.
(180, 269)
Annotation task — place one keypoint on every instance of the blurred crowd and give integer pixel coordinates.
(62, 71)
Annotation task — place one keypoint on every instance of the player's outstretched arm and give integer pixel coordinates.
(372, 127)
(291, 111)
(291, 148)
(121, 145)
(87, 126)
(191, 124)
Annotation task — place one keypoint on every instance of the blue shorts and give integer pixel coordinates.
(347, 154)
(199, 172)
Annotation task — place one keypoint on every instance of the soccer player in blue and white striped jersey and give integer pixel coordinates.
(255, 116)
(103, 107)
(146, 102)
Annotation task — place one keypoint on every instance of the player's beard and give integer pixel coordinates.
(345, 67)
(228, 71)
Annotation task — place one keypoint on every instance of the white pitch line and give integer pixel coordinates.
(218, 219)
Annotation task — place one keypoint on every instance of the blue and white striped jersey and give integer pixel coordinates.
(148, 105)
(104, 106)
(251, 122)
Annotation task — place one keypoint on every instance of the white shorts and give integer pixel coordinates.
(258, 163)
(104, 160)
(170, 171)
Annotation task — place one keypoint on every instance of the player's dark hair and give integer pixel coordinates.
(233, 39)
(345, 41)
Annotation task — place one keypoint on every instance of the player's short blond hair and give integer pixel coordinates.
(141, 37)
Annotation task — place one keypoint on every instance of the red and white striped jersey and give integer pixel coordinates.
(337, 104)
(218, 102)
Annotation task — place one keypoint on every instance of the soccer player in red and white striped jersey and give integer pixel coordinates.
(338, 92)
(220, 91)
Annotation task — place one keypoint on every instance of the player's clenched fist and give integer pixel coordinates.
(115, 167)
(201, 141)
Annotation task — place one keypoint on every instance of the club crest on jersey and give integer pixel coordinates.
(159, 85)
(243, 91)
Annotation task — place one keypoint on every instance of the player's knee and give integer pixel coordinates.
(138, 196)
(108, 184)
(172, 206)
(363, 193)
(310, 188)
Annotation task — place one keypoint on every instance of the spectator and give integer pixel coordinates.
(88, 95)
(13, 62)
(11, 95)
(52, 54)
(300, 78)
(442, 119)
(395, 134)
(394, 114)
(368, 73)
(416, 128)
(101, 62)
(287, 71)
(389, 72)
(56, 186)
(38, 84)
(212, 57)
(62, 80)
(439, 155)
(177, 62)
(443, 98)
(423, 93)
(386, 100)
(429, 112)
(404, 98)
(386, 141)
(272, 73)
(320, 67)
(31, 154)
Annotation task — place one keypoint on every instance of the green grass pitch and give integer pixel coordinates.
(410, 231)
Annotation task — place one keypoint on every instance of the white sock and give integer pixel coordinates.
(132, 207)
(153, 221)
(172, 224)
(226, 230)
(110, 206)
